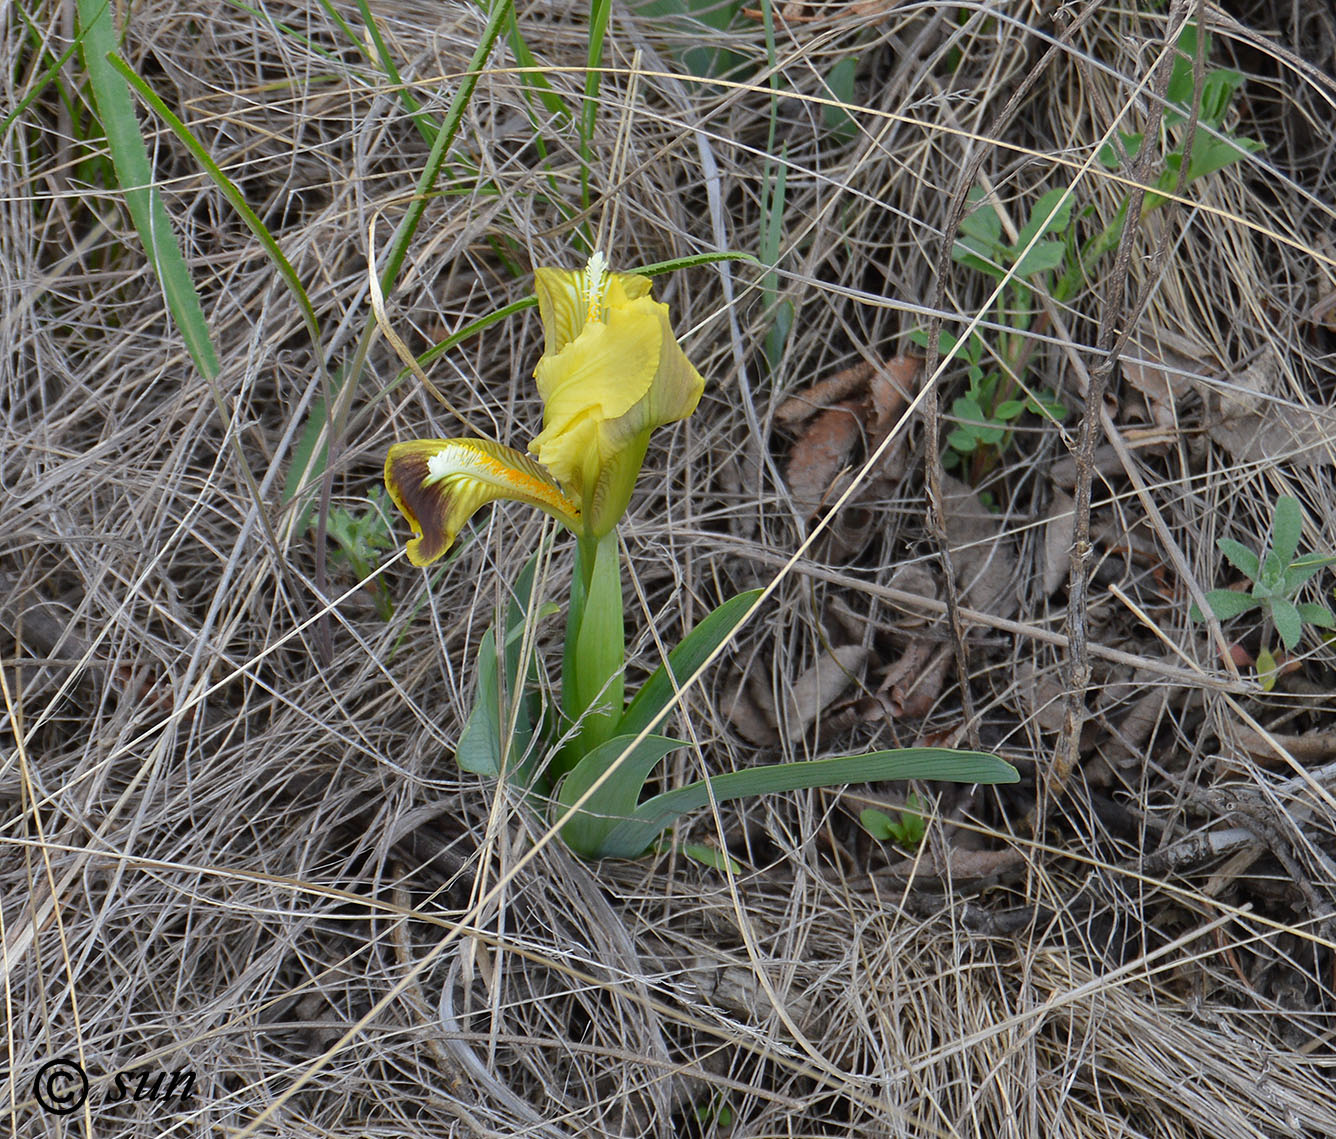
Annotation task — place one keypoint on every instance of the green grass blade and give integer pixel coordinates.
(318, 429)
(427, 127)
(39, 85)
(445, 138)
(134, 174)
(599, 12)
(632, 838)
(535, 82)
(229, 191)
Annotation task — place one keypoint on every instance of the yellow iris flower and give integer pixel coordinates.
(611, 372)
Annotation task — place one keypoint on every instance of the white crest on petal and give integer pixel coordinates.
(594, 274)
(451, 460)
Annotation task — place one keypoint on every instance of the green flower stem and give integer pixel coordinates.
(592, 675)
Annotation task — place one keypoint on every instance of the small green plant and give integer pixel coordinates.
(1276, 581)
(985, 415)
(359, 541)
(1213, 148)
(1209, 152)
(592, 759)
(908, 832)
(714, 1111)
(1047, 254)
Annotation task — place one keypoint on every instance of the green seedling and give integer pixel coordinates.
(1213, 148)
(908, 832)
(359, 541)
(986, 415)
(772, 232)
(1276, 580)
(1046, 253)
(714, 1111)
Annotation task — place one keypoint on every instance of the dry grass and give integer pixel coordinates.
(234, 838)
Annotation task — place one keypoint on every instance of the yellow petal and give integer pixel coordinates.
(601, 375)
(560, 305)
(612, 372)
(438, 484)
(564, 300)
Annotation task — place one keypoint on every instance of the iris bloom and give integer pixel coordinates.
(611, 372)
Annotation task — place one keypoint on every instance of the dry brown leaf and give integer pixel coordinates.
(1040, 696)
(1162, 376)
(1249, 422)
(1058, 523)
(890, 390)
(1107, 465)
(1311, 748)
(801, 406)
(821, 685)
(750, 720)
(914, 682)
(821, 453)
(1247, 411)
(963, 869)
(917, 579)
(870, 401)
(1127, 749)
(985, 560)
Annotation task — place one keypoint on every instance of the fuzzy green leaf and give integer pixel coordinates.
(967, 409)
(962, 441)
(1240, 557)
(1217, 90)
(1112, 154)
(1287, 527)
(981, 259)
(1225, 603)
(1182, 82)
(1301, 569)
(1314, 614)
(1289, 625)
